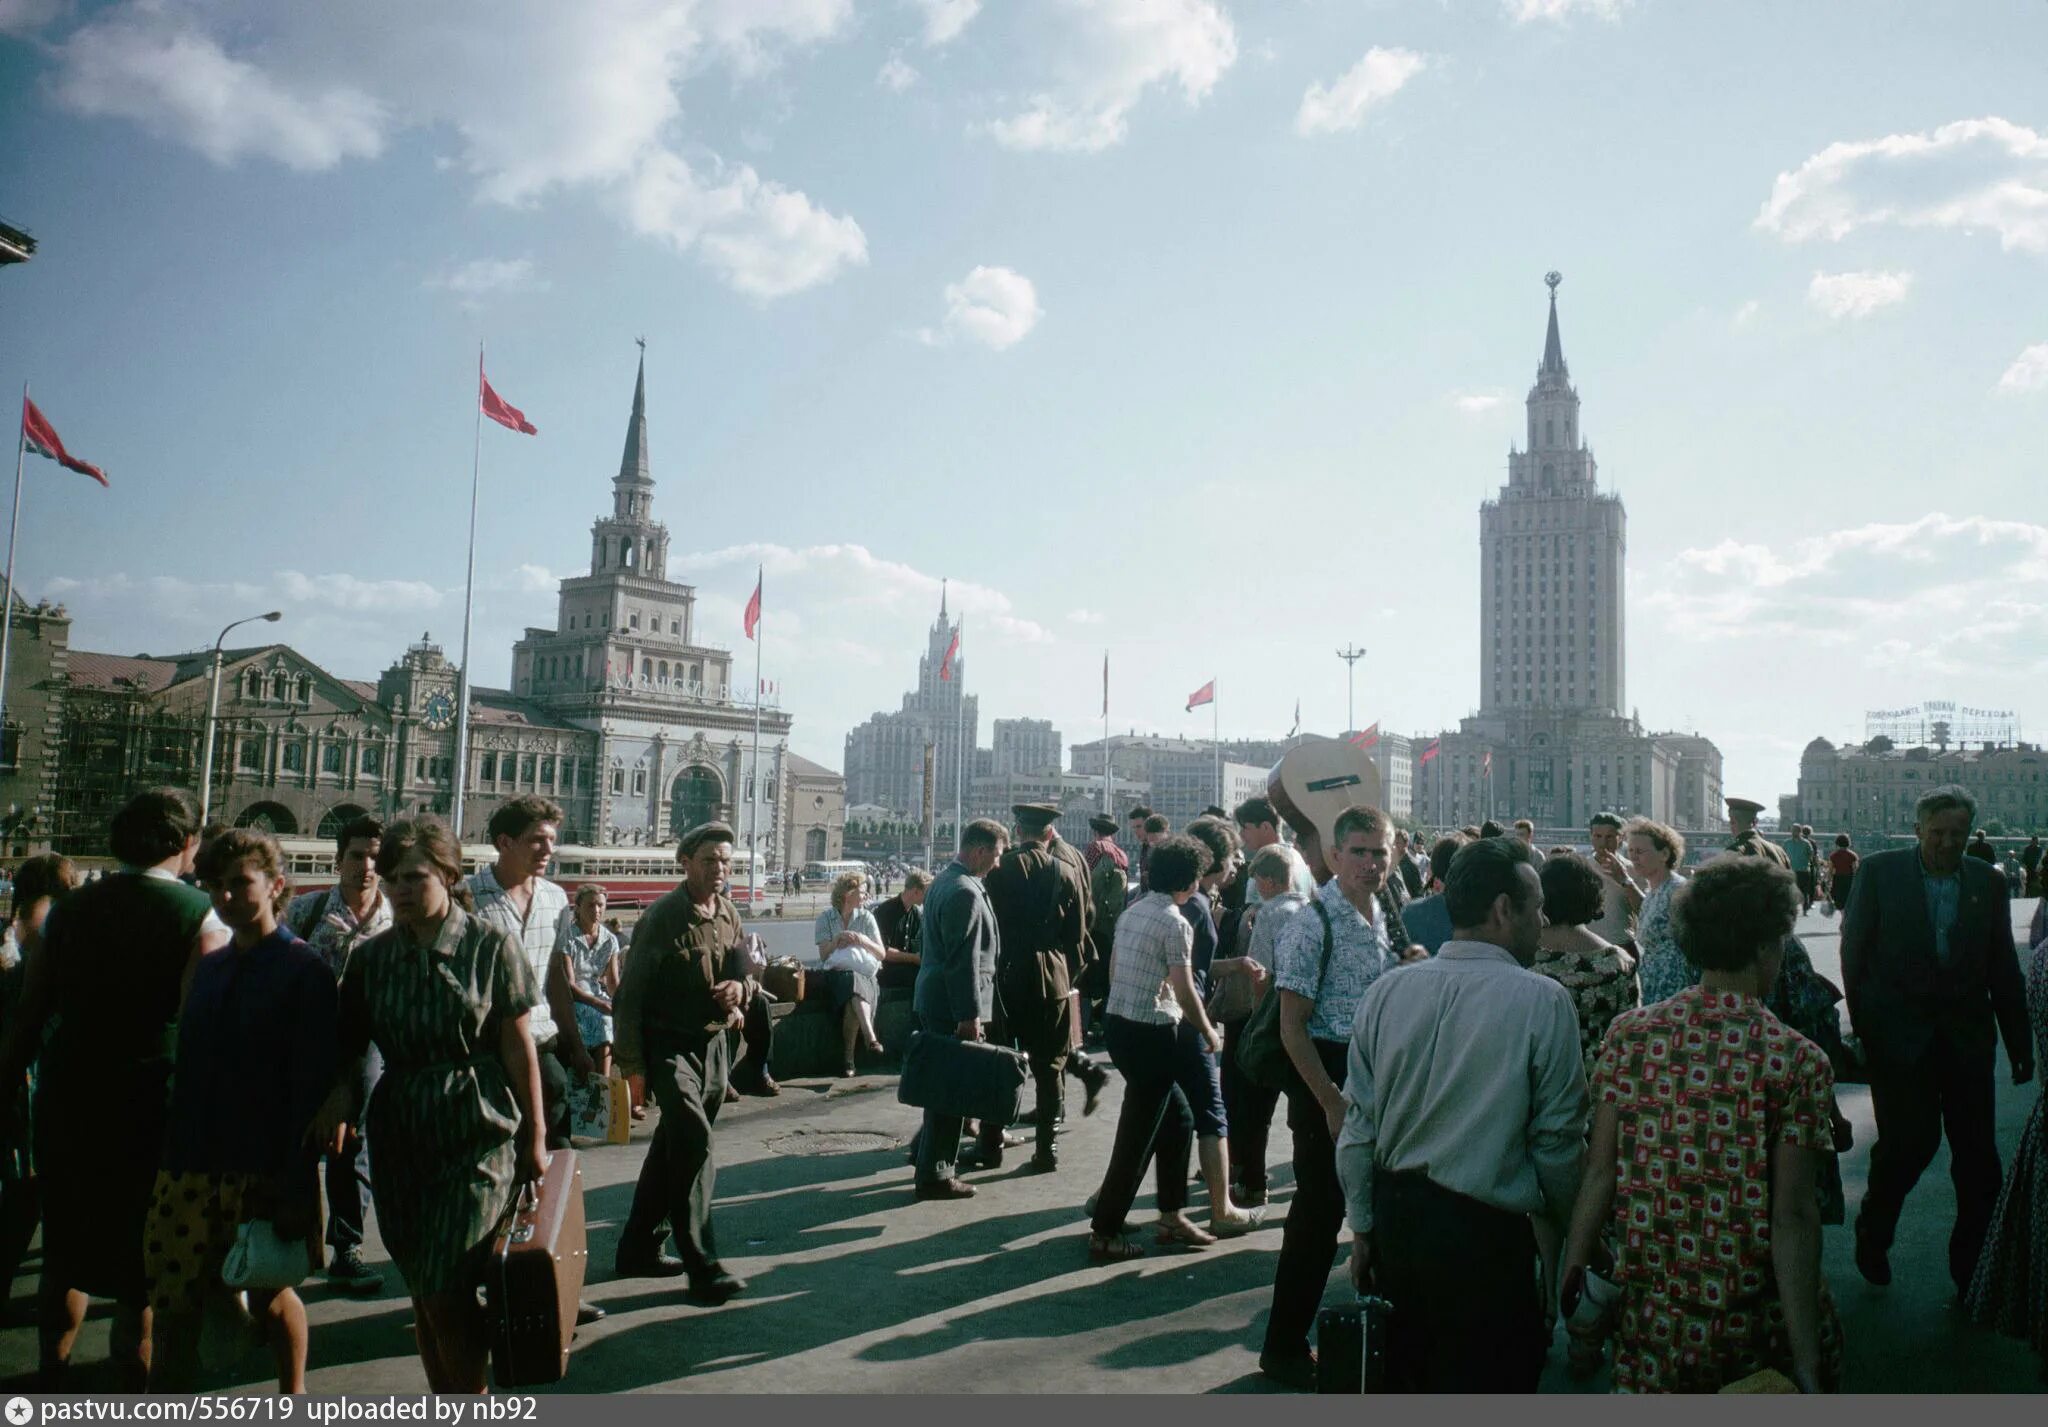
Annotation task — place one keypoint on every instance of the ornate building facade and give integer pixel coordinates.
(1870, 789)
(619, 713)
(1551, 741)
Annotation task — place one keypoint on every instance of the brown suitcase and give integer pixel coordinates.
(784, 980)
(534, 1278)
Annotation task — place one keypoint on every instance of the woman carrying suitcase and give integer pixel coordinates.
(456, 1116)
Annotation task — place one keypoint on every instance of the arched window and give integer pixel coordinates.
(626, 551)
(305, 689)
(662, 669)
(277, 686)
(647, 668)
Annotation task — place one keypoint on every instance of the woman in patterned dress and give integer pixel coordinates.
(1714, 1116)
(2010, 1289)
(1600, 975)
(456, 1117)
(1654, 852)
(591, 958)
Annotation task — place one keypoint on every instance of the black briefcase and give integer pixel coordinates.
(1351, 1347)
(971, 1079)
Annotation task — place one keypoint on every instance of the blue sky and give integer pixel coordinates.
(1193, 330)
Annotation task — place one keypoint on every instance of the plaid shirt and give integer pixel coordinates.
(1152, 937)
(535, 935)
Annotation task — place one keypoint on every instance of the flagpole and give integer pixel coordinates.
(754, 826)
(13, 529)
(1106, 810)
(476, 467)
(1216, 725)
(959, 730)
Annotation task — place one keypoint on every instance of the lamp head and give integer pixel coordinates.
(274, 616)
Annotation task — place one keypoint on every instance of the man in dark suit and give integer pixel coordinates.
(1933, 981)
(955, 990)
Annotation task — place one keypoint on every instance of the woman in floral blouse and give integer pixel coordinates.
(1600, 975)
(1654, 852)
(1714, 1116)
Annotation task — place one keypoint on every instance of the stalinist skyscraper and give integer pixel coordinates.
(1554, 740)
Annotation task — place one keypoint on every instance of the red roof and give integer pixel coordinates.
(107, 671)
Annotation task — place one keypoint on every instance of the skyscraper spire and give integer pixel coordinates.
(633, 464)
(1553, 349)
(942, 600)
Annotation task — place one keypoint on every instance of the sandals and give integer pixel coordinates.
(1167, 1234)
(1116, 1248)
(1249, 1218)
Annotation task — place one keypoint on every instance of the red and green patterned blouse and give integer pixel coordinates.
(1705, 1085)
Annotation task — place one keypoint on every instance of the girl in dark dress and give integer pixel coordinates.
(38, 884)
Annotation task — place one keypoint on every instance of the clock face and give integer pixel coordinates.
(440, 711)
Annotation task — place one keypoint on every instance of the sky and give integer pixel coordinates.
(1192, 332)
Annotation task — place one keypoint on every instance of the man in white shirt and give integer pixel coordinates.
(514, 896)
(1619, 896)
(1466, 1115)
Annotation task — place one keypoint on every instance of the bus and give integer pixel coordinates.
(819, 875)
(632, 877)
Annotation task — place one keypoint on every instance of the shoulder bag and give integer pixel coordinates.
(1262, 1055)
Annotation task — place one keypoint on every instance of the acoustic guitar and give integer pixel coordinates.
(1314, 781)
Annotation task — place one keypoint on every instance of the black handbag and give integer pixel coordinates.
(972, 1080)
(1261, 1054)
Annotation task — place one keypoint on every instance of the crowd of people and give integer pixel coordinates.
(1537, 1085)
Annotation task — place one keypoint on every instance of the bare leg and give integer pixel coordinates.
(867, 1025)
(1215, 1154)
(849, 1033)
(602, 1059)
(60, 1313)
(285, 1325)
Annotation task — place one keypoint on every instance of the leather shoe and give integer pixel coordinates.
(1096, 1084)
(1043, 1163)
(717, 1286)
(975, 1157)
(1293, 1370)
(1872, 1262)
(588, 1313)
(655, 1266)
(768, 1087)
(945, 1189)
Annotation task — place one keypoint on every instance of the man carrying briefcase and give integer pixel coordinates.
(955, 989)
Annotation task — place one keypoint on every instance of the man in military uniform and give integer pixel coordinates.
(1081, 1065)
(1747, 840)
(1040, 901)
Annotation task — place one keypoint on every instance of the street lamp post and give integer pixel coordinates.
(213, 711)
(1350, 656)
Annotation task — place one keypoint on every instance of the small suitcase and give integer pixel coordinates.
(1351, 1347)
(784, 980)
(971, 1079)
(534, 1278)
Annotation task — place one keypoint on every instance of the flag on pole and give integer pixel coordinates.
(41, 437)
(952, 652)
(1297, 719)
(1486, 763)
(499, 409)
(1369, 738)
(1429, 753)
(1204, 695)
(752, 619)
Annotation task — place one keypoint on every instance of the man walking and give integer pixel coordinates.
(334, 923)
(1081, 1065)
(1799, 855)
(1746, 839)
(1039, 901)
(1466, 1115)
(670, 1019)
(1933, 981)
(956, 985)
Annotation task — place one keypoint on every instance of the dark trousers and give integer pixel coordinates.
(1153, 1121)
(1308, 1244)
(1461, 1277)
(757, 1037)
(679, 1174)
(1042, 1034)
(1804, 877)
(554, 1094)
(1944, 1090)
(938, 1139)
(348, 1173)
(1249, 1106)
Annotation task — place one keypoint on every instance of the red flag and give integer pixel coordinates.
(752, 618)
(1486, 763)
(39, 436)
(498, 409)
(1429, 753)
(1204, 695)
(1368, 739)
(952, 650)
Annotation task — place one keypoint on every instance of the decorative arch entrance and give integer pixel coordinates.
(695, 798)
(273, 818)
(338, 817)
(814, 845)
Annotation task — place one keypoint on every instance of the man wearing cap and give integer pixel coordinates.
(1109, 888)
(1040, 901)
(1747, 840)
(1081, 1065)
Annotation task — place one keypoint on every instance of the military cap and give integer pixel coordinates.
(1035, 814)
(1102, 825)
(1745, 805)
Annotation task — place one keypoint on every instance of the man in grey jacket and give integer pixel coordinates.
(956, 985)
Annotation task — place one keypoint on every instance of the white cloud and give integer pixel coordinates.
(895, 76)
(479, 278)
(348, 592)
(1558, 11)
(1375, 79)
(181, 84)
(945, 19)
(547, 98)
(1857, 294)
(1746, 314)
(852, 577)
(1084, 616)
(1478, 403)
(1988, 175)
(1110, 52)
(19, 17)
(1941, 594)
(766, 240)
(996, 307)
(2028, 372)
